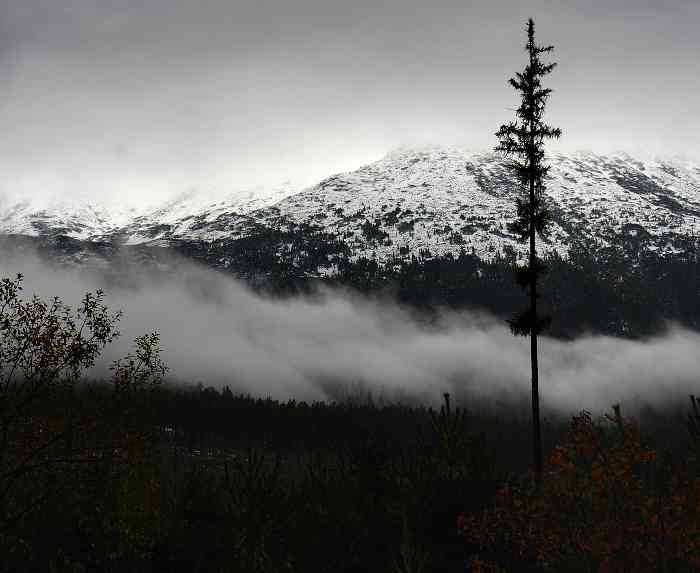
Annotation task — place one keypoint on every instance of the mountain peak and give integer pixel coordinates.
(415, 199)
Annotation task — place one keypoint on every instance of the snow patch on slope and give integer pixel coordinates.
(433, 199)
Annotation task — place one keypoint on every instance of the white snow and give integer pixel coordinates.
(447, 199)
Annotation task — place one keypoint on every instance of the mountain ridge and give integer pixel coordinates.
(429, 201)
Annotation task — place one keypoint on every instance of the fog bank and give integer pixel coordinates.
(217, 332)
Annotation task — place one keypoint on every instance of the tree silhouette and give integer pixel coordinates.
(46, 349)
(522, 140)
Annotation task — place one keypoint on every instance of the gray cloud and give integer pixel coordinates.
(143, 98)
(217, 332)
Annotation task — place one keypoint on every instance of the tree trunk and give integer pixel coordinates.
(536, 431)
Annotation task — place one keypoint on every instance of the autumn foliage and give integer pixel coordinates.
(70, 452)
(608, 504)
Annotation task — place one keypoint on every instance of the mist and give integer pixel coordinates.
(217, 332)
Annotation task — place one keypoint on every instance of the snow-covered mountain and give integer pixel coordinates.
(436, 199)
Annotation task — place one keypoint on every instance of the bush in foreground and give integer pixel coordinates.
(608, 504)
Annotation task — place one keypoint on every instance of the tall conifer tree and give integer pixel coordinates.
(522, 141)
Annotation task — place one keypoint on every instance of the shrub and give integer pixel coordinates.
(54, 450)
(604, 506)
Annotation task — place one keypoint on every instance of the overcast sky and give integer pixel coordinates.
(143, 98)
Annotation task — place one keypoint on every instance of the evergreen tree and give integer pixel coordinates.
(522, 140)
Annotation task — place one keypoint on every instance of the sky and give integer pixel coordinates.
(136, 100)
